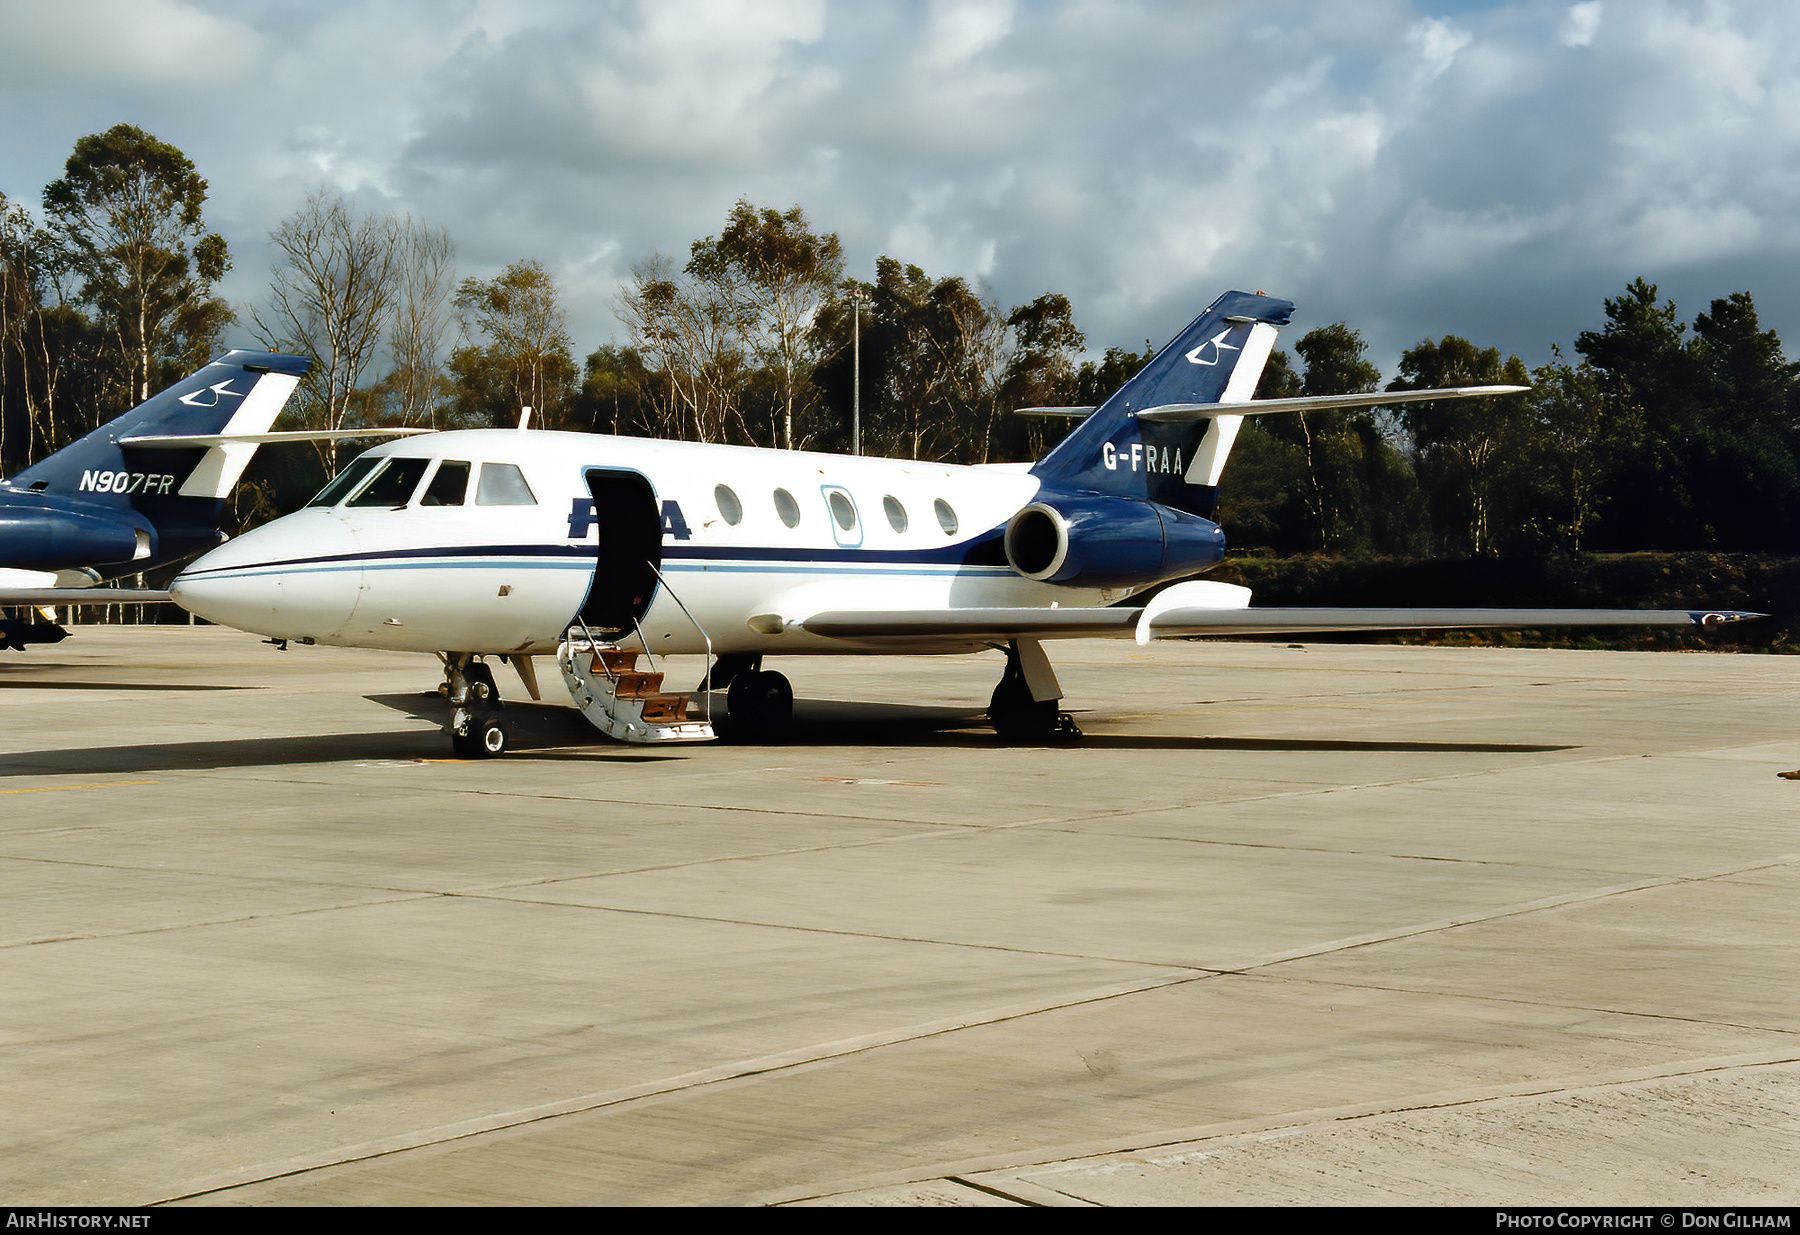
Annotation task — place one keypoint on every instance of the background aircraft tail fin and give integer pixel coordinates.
(1217, 359)
(180, 491)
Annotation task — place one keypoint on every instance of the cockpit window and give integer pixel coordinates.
(344, 482)
(394, 484)
(503, 484)
(449, 486)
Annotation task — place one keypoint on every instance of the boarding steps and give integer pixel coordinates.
(621, 700)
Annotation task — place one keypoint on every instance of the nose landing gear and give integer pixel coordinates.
(477, 730)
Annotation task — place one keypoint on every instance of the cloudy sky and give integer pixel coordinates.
(1409, 166)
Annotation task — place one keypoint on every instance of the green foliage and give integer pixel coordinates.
(775, 272)
(1095, 383)
(125, 222)
(1466, 454)
(1699, 435)
(522, 358)
(1331, 481)
(933, 359)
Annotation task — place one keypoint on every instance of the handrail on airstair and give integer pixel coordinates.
(660, 578)
(649, 656)
(594, 649)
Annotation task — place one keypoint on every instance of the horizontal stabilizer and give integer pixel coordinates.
(178, 441)
(1319, 403)
(1072, 412)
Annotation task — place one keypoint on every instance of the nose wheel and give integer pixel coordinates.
(476, 728)
(480, 737)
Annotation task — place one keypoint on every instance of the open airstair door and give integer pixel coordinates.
(629, 523)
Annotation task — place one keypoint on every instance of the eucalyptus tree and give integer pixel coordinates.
(1465, 452)
(519, 353)
(424, 291)
(331, 297)
(690, 337)
(779, 272)
(126, 218)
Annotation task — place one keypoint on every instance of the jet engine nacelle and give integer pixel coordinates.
(53, 539)
(1102, 541)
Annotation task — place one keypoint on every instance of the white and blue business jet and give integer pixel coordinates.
(600, 550)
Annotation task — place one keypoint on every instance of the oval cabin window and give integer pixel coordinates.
(729, 507)
(896, 513)
(841, 510)
(787, 508)
(946, 516)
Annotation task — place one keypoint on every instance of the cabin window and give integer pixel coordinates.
(730, 508)
(393, 485)
(896, 513)
(345, 481)
(449, 487)
(841, 509)
(787, 508)
(946, 516)
(503, 484)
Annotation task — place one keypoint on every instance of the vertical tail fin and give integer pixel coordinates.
(179, 492)
(1218, 358)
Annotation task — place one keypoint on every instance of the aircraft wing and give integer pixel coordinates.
(1176, 622)
(81, 596)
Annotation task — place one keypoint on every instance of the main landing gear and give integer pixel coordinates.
(1024, 707)
(477, 730)
(760, 701)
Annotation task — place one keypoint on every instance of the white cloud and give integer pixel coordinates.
(1581, 24)
(1410, 166)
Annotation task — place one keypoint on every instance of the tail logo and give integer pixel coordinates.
(219, 391)
(1217, 344)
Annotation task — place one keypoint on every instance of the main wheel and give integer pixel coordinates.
(761, 705)
(483, 737)
(1017, 717)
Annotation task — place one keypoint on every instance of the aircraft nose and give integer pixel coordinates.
(284, 580)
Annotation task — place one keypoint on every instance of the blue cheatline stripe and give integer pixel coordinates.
(342, 565)
(948, 560)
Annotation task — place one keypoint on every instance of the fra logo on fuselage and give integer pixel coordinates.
(582, 517)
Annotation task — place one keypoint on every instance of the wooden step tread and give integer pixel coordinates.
(637, 685)
(665, 709)
(614, 661)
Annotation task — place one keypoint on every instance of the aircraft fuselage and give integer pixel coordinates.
(746, 535)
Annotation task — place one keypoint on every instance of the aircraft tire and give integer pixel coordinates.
(761, 706)
(1019, 719)
(487, 738)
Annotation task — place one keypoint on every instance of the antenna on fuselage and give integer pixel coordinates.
(524, 418)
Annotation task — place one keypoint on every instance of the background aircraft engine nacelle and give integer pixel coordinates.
(52, 539)
(1109, 542)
